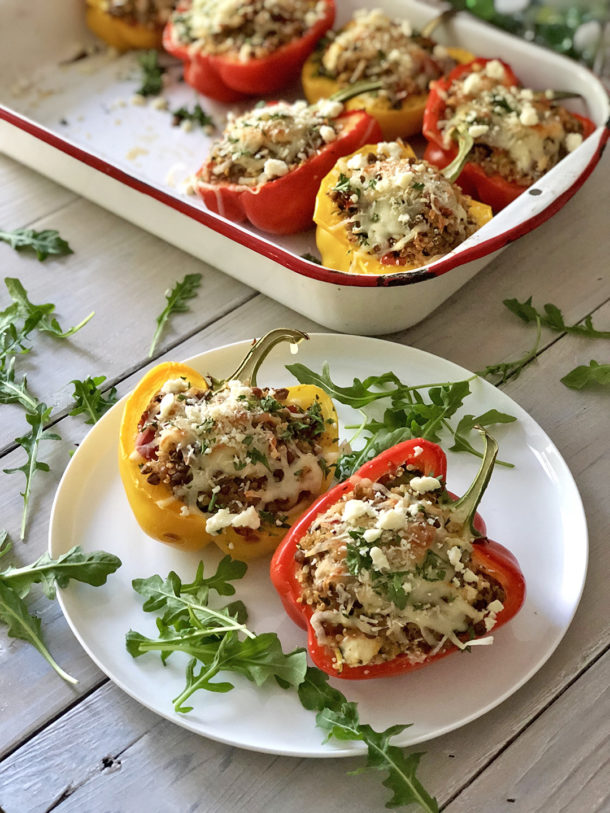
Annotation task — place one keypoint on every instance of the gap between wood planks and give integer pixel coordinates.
(524, 728)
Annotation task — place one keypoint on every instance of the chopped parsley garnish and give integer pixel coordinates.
(433, 568)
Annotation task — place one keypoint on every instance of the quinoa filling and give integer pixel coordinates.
(401, 210)
(151, 13)
(248, 30)
(375, 47)
(386, 573)
(272, 140)
(240, 455)
(518, 133)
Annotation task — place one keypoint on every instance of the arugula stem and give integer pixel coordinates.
(208, 611)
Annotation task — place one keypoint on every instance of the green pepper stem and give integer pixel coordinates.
(356, 89)
(465, 144)
(556, 95)
(248, 368)
(464, 509)
(436, 21)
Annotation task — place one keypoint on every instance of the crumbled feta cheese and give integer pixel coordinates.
(469, 576)
(528, 116)
(391, 520)
(174, 385)
(573, 141)
(454, 555)
(477, 130)
(495, 69)
(472, 84)
(495, 606)
(329, 108)
(354, 509)
(165, 407)
(327, 133)
(423, 484)
(275, 168)
(379, 559)
(372, 534)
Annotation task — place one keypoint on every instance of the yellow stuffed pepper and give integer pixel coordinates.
(129, 24)
(382, 210)
(374, 47)
(225, 461)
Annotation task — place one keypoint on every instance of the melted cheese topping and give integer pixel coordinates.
(272, 140)
(385, 572)
(400, 206)
(235, 453)
(374, 46)
(249, 28)
(524, 126)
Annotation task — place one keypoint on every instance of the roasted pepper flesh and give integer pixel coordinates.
(338, 251)
(162, 509)
(487, 560)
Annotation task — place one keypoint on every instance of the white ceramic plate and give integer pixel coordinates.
(534, 509)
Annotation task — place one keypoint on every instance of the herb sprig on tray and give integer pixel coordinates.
(90, 400)
(412, 411)
(152, 74)
(218, 640)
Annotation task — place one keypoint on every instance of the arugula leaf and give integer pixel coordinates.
(340, 719)
(33, 316)
(14, 612)
(422, 410)
(44, 243)
(90, 568)
(211, 636)
(467, 424)
(89, 400)
(176, 298)
(583, 377)
(553, 318)
(30, 442)
(152, 74)
(502, 371)
(16, 582)
(13, 392)
(197, 115)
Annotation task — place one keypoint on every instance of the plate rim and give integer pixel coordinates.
(327, 750)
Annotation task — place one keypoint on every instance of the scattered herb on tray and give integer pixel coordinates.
(43, 243)
(312, 258)
(217, 639)
(12, 391)
(152, 74)
(588, 377)
(197, 116)
(24, 317)
(16, 583)
(89, 400)
(552, 317)
(409, 414)
(177, 298)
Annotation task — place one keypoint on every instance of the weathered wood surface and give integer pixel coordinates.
(96, 749)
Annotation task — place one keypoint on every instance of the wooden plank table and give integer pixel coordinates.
(92, 748)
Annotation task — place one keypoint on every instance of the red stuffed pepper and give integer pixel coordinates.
(389, 572)
(268, 165)
(518, 134)
(231, 51)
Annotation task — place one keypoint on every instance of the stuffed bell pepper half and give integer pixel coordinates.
(228, 461)
(233, 50)
(374, 47)
(268, 165)
(129, 24)
(382, 210)
(389, 572)
(518, 134)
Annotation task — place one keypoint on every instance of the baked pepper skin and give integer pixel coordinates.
(337, 251)
(119, 34)
(492, 189)
(395, 123)
(285, 205)
(158, 514)
(489, 556)
(228, 79)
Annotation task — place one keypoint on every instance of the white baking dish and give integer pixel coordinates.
(72, 120)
